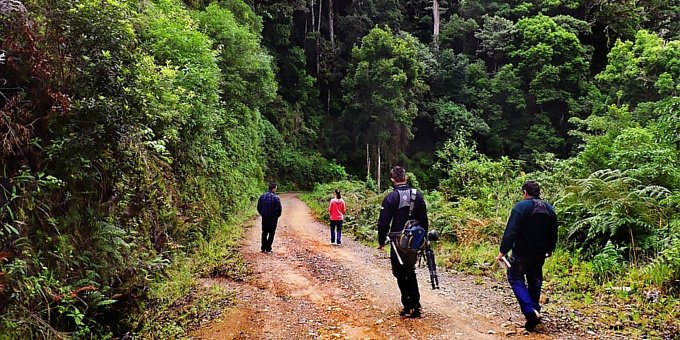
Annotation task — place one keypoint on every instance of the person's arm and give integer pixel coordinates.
(277, 205)
(259, 205)
(552, 236)
(384, 221)
(343, 207)
(511, 231)
(330, 205)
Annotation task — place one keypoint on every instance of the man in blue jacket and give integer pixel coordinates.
(394, 213)
(269, 206)
(531, 233)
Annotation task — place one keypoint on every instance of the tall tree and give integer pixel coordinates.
(435, 19)
(381, 87)
(553, 67)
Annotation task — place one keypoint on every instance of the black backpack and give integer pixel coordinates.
(413, 237)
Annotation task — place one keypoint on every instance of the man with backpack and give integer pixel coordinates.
(531, 233)
(395, 211)
(269, 206)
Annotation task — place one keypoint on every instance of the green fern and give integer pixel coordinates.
(610, 205)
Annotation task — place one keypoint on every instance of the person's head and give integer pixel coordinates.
(272, 186)
(398, 175)
(337, 194)
(531, 188)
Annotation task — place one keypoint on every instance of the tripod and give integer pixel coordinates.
(427, 255)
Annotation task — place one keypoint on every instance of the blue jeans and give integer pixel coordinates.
(334, 225)
(526, 277)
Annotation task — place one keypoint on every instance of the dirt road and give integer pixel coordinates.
(308, 288)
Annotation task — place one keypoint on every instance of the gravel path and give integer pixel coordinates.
(310, 289)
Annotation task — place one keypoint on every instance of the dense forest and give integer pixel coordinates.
(136, 134)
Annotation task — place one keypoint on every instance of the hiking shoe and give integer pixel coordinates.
(405, 312)
(415, 313)
(533, 319)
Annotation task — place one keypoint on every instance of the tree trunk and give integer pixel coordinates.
(378, 168)
(320, 7)
(318, 41)
(435, 16)
(330, 23)
(313, 18)
(368, 162)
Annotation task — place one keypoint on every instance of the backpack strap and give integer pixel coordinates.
(412, 203)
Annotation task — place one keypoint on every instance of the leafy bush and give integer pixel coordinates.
(608, 205)
(477, 194)
(295, 169)
(664, 270)
(128, 150)
(608, 263)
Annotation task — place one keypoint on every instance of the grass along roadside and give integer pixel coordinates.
(178, 301)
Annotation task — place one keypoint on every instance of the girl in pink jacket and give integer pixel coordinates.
(336, 209)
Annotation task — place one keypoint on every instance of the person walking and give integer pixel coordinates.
(531, 233)
(394, 212)
(336, 210)
(269, 207)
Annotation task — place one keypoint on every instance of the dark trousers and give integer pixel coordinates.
(336, 225)
(526, 277)
(268, 231)
(406, 278)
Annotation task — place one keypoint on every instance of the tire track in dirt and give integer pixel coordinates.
(308, 288)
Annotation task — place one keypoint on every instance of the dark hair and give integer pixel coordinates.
(532, 188)
(398, 174)
(272, 186)
(337, 194)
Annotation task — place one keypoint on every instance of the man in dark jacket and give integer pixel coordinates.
(531, 233)
(269, 206)
(394, 213)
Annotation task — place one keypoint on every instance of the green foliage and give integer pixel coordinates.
(245, 65)
(496, 37)
(383, 81)
(300, 171)
(492, 185)
(664, 270)
(295, 169)
(648, 55)
(142, 138)
(477, 259)
(452, 119)
(610, 205)
(457, 33)
(132, 135)
(608, 263)
(635, 135)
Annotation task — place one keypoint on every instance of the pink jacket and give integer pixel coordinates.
(337, 209)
